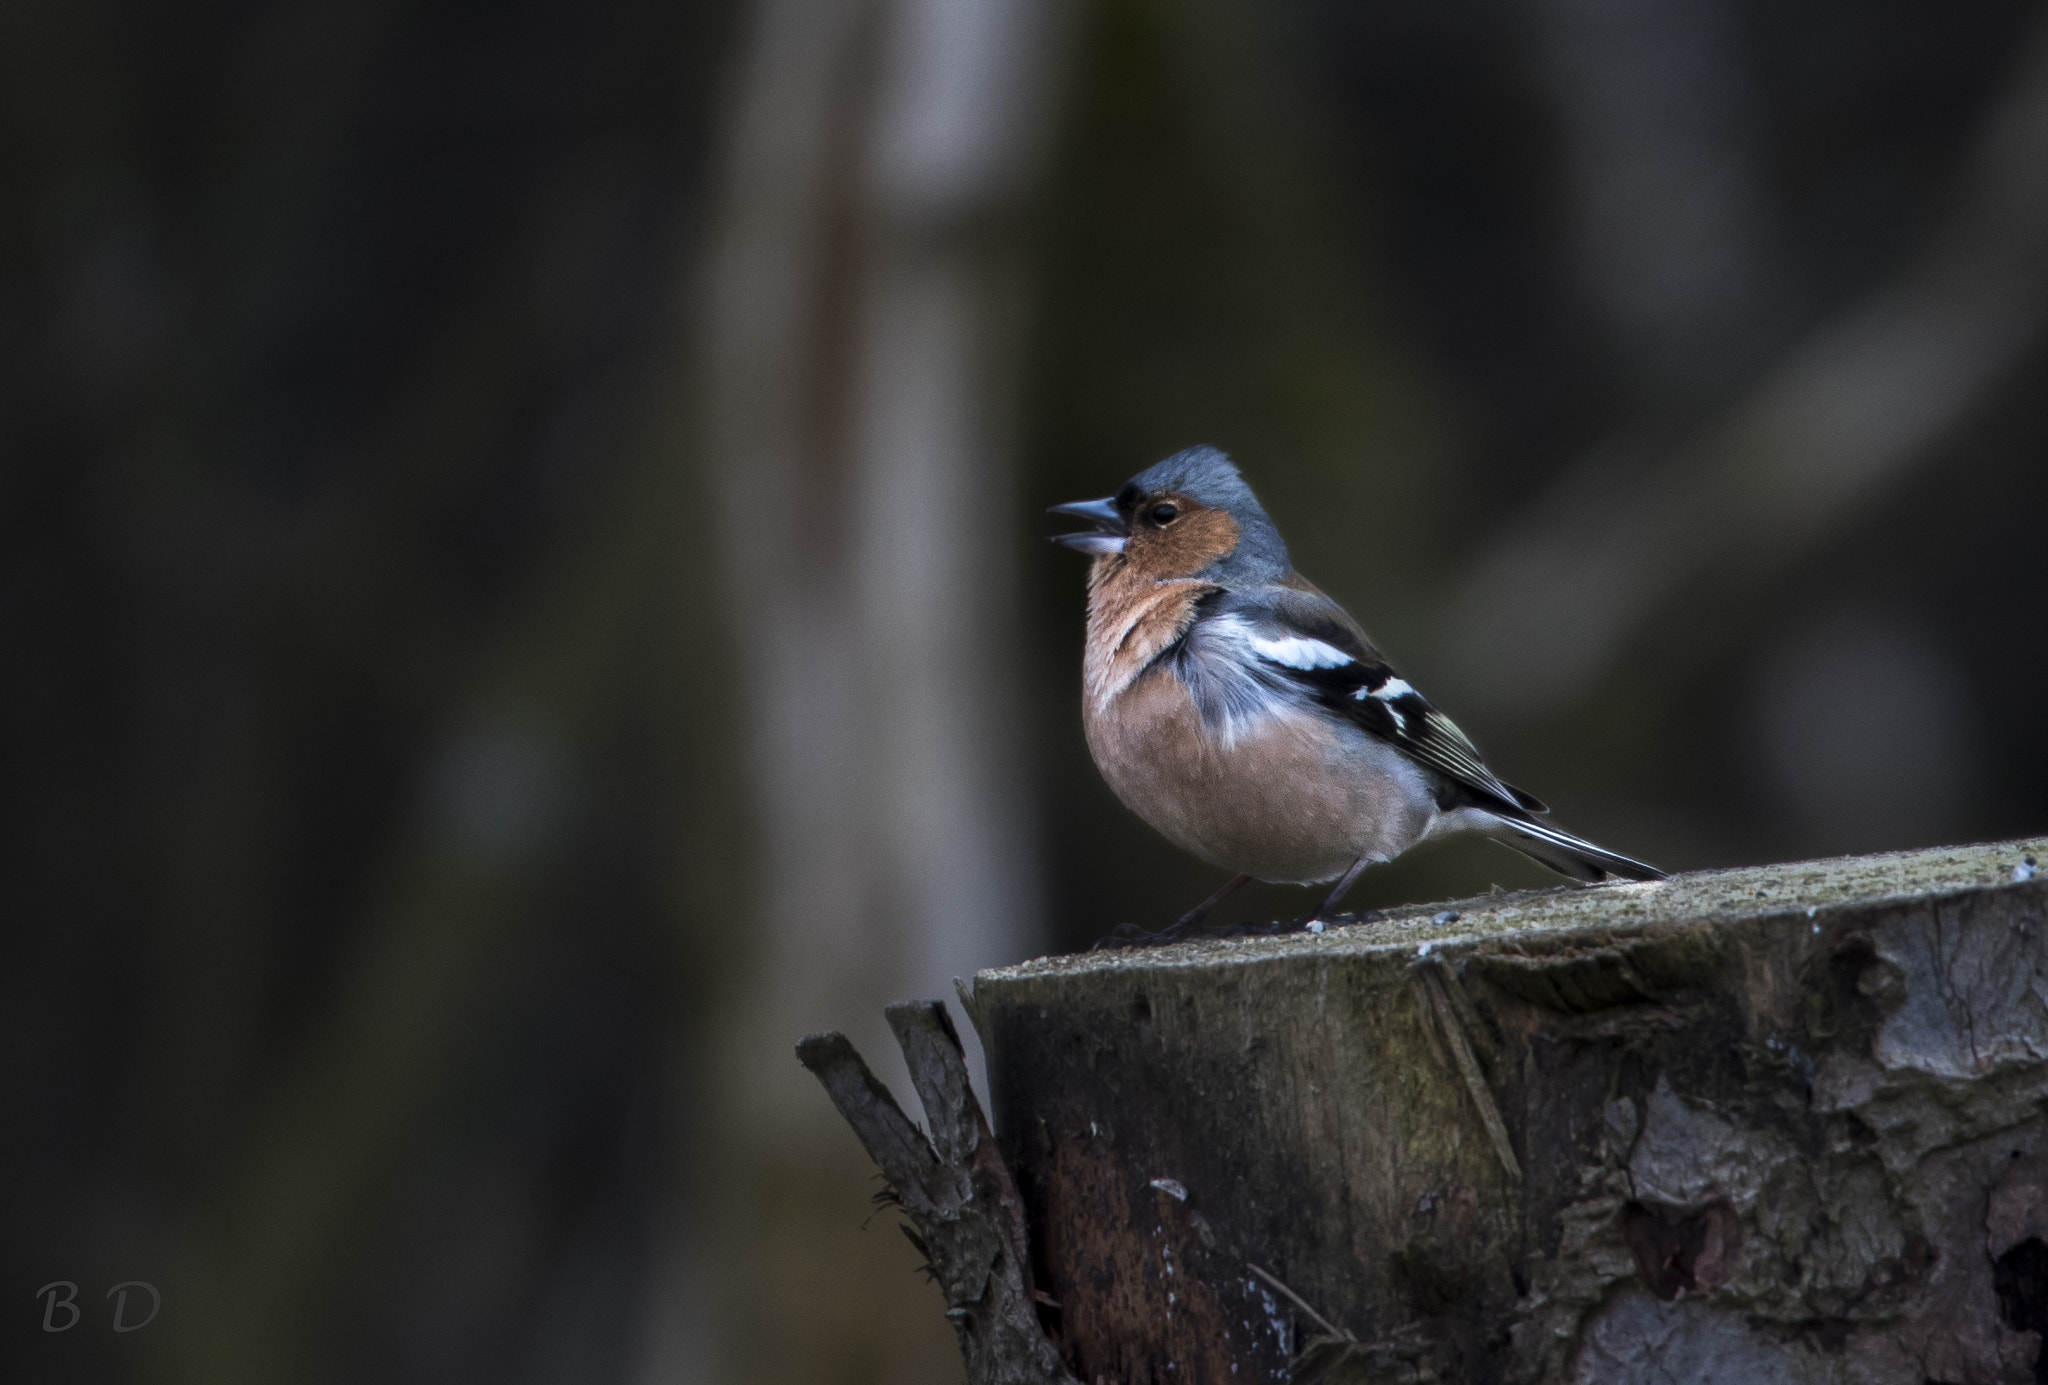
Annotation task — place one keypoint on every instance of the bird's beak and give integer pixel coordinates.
(1109, 527)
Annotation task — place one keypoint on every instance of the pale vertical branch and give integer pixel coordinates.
(855, 400)
(855, 384)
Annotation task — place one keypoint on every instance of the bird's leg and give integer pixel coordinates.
(1336, 894)
(1130, 935)
(1192, 919)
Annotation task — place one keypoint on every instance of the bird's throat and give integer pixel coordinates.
(1130, 621)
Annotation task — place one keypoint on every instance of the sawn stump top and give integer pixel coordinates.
(1567, 915)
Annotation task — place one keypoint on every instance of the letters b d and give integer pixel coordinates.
(69, 1303)
(156, 1303)
(61, 1296)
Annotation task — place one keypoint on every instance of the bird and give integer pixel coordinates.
(1246, 716)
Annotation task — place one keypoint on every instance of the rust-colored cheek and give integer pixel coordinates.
(1184, 549)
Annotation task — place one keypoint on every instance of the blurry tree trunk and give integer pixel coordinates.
(1781, 1124)
(1678, 238)
(856, 378)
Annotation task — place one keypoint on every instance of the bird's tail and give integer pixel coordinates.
(1568, 855)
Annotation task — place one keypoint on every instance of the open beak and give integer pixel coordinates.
(1109, 527)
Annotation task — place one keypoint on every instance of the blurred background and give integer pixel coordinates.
(523, 585)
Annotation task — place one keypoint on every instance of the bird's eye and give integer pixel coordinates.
(1165, 514)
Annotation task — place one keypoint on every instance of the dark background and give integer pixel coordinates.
(377, 859)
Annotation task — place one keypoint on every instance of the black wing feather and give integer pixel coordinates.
(1370, 695)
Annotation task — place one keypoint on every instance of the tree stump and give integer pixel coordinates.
(1772, 1125)
(961, 1208)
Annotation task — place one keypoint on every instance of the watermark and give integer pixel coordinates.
(60, 1296)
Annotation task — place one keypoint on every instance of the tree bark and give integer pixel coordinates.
(952, 1185)
(1781, 1124)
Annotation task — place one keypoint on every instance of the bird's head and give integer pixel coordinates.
(1192, 515)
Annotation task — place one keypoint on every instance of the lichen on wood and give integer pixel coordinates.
(1783, 1124)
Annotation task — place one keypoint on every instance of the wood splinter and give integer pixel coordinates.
(964, 1210)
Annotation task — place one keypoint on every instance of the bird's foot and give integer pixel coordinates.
(1130, 935)
(1316, 921)
(1325, 913)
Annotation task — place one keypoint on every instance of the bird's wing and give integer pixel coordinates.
(1301, 637)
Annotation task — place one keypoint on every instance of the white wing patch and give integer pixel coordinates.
(1295, 651)
(1385, 692)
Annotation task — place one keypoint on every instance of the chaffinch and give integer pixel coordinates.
(1247, 717)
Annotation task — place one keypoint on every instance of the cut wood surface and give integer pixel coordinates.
(1782, 1124)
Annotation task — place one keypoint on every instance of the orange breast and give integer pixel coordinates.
(1294, 796)
(1130, 620)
